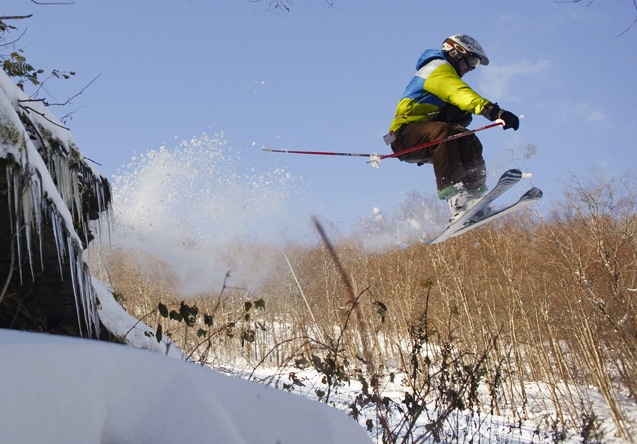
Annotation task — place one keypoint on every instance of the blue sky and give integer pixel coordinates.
(328, 78)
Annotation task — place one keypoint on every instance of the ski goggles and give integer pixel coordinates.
(473, 61)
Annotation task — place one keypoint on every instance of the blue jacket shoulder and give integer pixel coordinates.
(428, 56)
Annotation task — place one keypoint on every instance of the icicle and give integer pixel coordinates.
(59, 245)
(15, 189)
(69, 186)
(27, 202)
(78, 266)
(39, 206)
(29, 212)
(47, 172)
(71, 252)
(89, 298)
(84, 296)
(96, 226)
(83, 291)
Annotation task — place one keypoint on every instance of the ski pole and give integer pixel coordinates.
(436, 142)
(322, 153)
(375, 158)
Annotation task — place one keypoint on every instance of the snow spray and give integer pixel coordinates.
(199, 208)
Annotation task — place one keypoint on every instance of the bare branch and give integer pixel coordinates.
(591, 2)
(283, 4)
(15, 17)
(57, 104)
(79, 93)
(52, 3)
(29, 109)
(4, 26)
(632, 24)
(13, 41)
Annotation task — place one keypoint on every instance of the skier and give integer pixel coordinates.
(436, 104)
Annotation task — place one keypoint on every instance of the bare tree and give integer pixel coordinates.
(283, 5)
(590, 2)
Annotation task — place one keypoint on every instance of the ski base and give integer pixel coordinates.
(506, 181)
(531, 196)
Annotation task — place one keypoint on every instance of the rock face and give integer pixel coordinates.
(51, 200)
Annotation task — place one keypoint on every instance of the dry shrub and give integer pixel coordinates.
(559, 294)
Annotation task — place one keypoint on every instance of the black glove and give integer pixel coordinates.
(493, 112)
(510, 120)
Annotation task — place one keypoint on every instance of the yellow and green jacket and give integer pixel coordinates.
(436, 82)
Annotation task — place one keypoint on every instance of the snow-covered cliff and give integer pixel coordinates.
(51, 199)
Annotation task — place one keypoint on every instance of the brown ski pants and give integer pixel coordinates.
(455, 161)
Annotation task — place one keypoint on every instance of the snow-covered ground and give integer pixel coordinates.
(540, 425)
(65, 390)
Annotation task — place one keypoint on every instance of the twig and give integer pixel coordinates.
(13, 41)
(58, 104)
(28, 108)
(298, 285)
(353, 299)
(52, 3)
(15, 17)
(79, 93)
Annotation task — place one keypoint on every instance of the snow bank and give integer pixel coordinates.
(69, 390)
(129, 329)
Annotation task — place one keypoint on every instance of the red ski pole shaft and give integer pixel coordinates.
(321, 153)
(387, 156)
(446, 139)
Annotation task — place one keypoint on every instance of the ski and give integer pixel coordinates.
(506, 181)
(531, 196)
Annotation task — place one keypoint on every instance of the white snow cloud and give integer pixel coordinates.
(191, 204)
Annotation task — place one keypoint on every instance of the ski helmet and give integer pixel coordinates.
(463, 45)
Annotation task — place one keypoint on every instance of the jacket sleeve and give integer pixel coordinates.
(445, 83)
